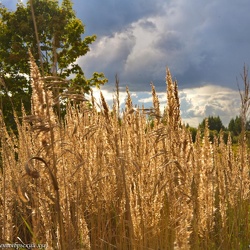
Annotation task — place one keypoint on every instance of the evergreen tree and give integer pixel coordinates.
(214, 123)
(234, 126)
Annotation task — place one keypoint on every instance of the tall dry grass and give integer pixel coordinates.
(106, 180)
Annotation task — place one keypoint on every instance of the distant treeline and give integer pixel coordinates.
(216, 126)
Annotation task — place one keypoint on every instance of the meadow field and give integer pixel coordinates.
(105, 178)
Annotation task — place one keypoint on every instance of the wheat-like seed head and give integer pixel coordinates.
(127, 185)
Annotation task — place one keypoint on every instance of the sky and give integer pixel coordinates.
(205, 44)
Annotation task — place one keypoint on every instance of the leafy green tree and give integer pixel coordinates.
(57, 33)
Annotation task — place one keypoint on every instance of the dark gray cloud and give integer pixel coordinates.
(204, 43)
(169, 42)
(147, 25)
(104, 18)
(207, 43)
(200, 41)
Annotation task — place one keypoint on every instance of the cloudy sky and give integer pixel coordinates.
(204, 43)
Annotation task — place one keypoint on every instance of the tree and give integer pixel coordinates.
(57, 32)
(214, 123)
(193, 132)
(234, 126)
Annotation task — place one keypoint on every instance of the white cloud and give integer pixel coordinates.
(198, 103)
(145, 100)
(108, 54)
(110, 97)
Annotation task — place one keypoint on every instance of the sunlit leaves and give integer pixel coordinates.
(61, 41)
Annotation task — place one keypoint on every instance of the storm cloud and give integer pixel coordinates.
(203, 43)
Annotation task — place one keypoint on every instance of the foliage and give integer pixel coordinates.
(60, 39)
(105, 181)
(193, 132)
(235, 126)
(214, 123)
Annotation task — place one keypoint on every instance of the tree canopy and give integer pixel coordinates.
(60, 42)
(214, 123)
(235, 125)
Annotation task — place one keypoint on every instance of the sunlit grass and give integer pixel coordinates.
(102, 180)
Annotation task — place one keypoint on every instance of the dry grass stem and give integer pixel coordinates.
(106, 180)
